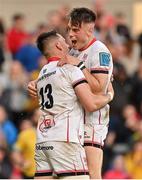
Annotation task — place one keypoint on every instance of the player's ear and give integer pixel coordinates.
(91, 28)
(59, 46)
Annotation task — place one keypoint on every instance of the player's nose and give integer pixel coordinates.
(71, 34)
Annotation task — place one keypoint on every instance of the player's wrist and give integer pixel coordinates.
(81, 66)
(110, 95)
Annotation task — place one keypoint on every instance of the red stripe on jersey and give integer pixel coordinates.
(99, 119)
(99, 68)
(41, 171)
(68, 129)
(93, 135)
(90, 43)
(54, 58)
(74, 167)
(84, 117)
(82, 162)
(68, 171)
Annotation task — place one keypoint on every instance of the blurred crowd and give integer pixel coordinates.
(20, 62)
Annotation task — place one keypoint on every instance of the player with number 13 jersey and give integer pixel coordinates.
(62, 118)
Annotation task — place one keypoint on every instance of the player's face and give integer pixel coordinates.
(78, 35)
(63, 43)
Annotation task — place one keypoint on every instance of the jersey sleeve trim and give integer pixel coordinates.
(99, 70)
(80, 81)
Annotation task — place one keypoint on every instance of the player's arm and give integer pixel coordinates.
(83, 91)
(99, 71)
(90, 101)
(97, 79)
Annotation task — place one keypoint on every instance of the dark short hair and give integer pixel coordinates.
(79, 15)
(43, 40)
(18, 16)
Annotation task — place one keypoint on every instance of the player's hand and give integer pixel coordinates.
(69, 60)
(110, 90)
(32, 89)
(72, 60)
(62, 62)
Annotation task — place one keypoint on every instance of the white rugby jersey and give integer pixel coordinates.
(97, 58)
(63, 118)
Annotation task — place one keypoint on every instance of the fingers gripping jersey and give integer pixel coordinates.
(62, 118)
(97, 59)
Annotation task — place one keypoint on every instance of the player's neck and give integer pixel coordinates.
(91, 40)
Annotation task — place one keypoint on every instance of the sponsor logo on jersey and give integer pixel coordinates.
(86, 135)
(39, 147)
(46, 76)
(44, 71)
(84, 57)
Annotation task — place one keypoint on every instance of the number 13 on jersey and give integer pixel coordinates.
(46, 97)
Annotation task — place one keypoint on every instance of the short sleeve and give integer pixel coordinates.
(101, 62)
(77, 77)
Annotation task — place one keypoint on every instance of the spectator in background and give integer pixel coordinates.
(63, 12)
(136, 95)
(42, 61)
(2, 36)
(7, 127)
(105, 30)
(118, 170)
(54, 20)
(5, 166)
(10, 164)
(121, 26)
(58, 20)
(122, 88)
(99, 6)
(16, 165)
(25, 145)
(25, 124)
(17, 35)
(133, 160)
(138, 134)
(140, 43)
(29, 55)
(132, 117)
(15, 97)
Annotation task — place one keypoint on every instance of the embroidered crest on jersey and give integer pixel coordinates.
(84, 57)
(46, 123)
(104, 59)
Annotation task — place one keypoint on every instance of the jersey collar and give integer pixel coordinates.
(84, 48)
(54, 58)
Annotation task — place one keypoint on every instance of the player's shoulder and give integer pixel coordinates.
(43, 70)
(48, 68)
(100, 46)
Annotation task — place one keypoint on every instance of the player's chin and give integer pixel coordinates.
(75, 46)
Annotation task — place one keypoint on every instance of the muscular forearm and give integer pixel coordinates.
(101, 100)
